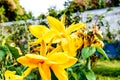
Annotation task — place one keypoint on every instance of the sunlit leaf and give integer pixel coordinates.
(89, 74)
(101, 51)
(88, 51)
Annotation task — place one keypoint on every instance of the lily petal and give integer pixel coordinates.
(58, 48)
(38, 30)
(58, 58)
(77, 40)
(60, 73)
(55, 24)
(27, 72)
(10, 75)
(49, 36)
(44, 71)
(31, 60)
(63, 19)
(69, 46)
(74, 27)
(43, 48)
(71, 62)
(38, 41)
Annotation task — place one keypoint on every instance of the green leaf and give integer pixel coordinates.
(14, 52)
(100, 50)
(77, 65)
(89, 74)
(75, 76)
(88, 51)
(2, 55)
(4, 48)
(3, 52)
(99, 37)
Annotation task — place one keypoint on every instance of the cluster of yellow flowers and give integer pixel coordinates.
(45, 57)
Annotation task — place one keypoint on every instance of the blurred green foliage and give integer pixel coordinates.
(11, 10)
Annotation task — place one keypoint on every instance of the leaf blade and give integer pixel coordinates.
(88, 51)
(100, 50)
(89, 74)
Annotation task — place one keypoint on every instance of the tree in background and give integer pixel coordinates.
(74, 8)
(2, 15)
(11, 10)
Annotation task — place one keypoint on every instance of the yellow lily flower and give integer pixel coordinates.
(58, 32)
(57, 28)
(10, 75)
(55, 60)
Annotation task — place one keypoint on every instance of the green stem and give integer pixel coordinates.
(88, 63)
(2, 71)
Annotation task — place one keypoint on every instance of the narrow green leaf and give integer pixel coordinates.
(2, 55)
(99, 36)
(100, 50)
(88, 51)
(88, 63)
(72, 74)
(89, 74)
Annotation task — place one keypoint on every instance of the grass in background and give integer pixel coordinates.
(107, 70)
